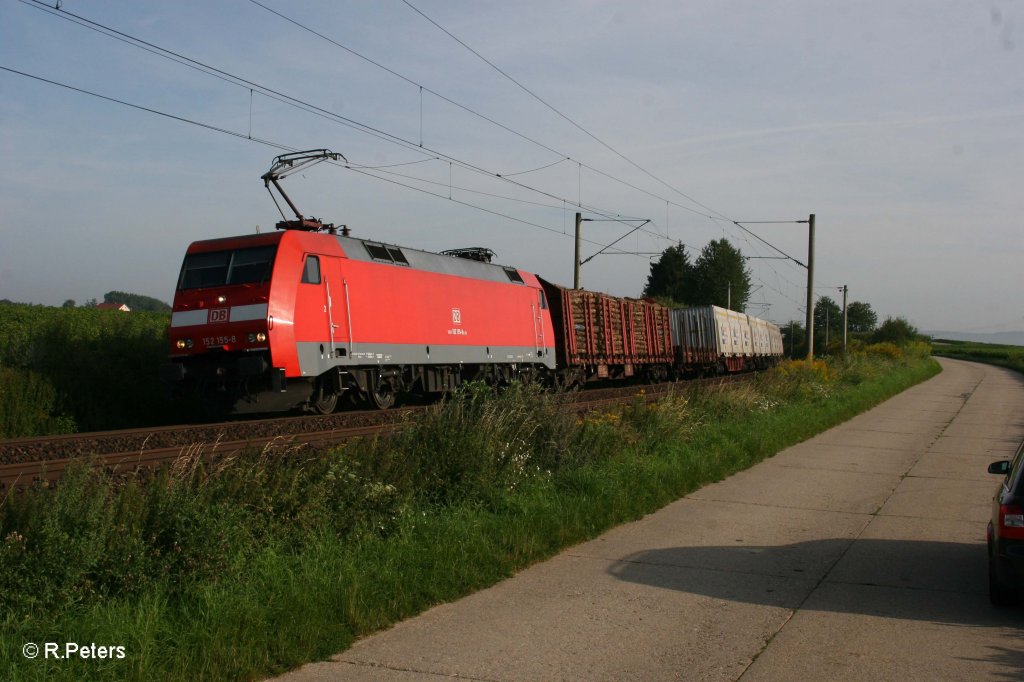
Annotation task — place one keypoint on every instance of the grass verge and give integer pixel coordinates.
(252, 567)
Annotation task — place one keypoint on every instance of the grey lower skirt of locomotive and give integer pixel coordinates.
(246, 382)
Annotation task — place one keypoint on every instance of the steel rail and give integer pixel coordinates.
(131, 450)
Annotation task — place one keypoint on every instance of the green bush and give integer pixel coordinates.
(95, 536)
(103, 366)
(28, 405)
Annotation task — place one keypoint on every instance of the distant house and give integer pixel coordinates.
(114, 306)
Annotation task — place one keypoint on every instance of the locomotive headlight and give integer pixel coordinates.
(261, 337)
(252, 338)
(180, 344)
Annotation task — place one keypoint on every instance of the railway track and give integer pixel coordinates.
(24, 461)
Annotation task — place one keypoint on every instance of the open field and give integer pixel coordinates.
(993, 354)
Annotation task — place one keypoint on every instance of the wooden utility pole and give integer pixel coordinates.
(576, 258)
(844, 318)
(810, 287)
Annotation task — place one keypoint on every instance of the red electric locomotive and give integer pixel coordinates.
(303, 316)
(298, 318)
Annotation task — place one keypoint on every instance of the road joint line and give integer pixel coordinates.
(384, 666)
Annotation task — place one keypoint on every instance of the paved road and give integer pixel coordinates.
(857, 555)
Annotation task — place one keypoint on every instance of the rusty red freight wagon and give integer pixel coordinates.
(602, 336)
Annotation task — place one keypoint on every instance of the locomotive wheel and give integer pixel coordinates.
(326, 404)
(382, 396)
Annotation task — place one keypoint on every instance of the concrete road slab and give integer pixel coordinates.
(984, 447)
(725, 536)
(941, 498)
(572, 618)
(848, 458)
(898, 422)
(868, 633)
(957, 467)
(916, 553)
(878, 438)
(980, 430)
(771, 484)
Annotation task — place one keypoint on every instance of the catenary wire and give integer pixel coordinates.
(270, 143)
(470, 110)
(562, 115)
(298, 103)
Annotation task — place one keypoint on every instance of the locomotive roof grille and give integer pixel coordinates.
(427, 261)
(514, 275)
(386, 254)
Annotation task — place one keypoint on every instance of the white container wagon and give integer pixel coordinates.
(713, 340)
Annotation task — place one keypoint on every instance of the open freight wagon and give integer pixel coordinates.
(601, 336)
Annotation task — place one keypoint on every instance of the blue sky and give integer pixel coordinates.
(899, 124)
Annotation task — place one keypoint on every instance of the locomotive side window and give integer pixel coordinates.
(543, 300)
(223, 268)
(311, 272)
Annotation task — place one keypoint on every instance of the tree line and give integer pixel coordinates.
(133, 301)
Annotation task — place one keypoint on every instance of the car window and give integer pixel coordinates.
(1013, 475)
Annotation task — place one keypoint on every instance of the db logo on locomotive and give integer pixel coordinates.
(218, 315)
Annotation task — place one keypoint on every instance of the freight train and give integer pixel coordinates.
(300, 319)
(305, 317)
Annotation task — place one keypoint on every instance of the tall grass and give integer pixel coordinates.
(248, 566)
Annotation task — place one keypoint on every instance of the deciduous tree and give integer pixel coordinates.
(896, 330)
(671, 276)
(861, 317)
(719, 268)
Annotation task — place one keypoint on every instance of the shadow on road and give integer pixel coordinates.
(942, 582)
(932, 582)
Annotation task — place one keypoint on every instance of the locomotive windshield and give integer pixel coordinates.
(223, 268)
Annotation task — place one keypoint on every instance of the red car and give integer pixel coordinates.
(1006, 531)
